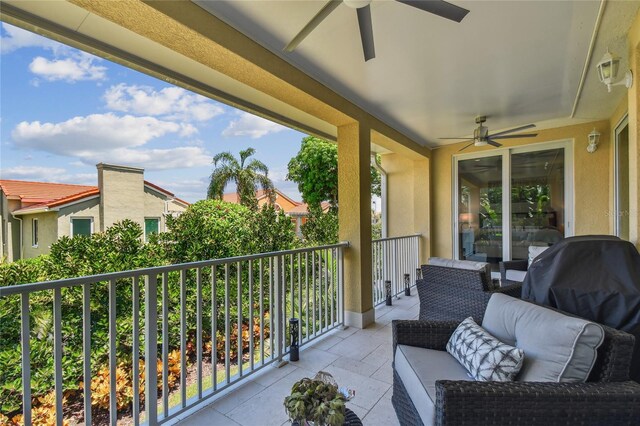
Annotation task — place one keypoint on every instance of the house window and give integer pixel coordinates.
(81, 226)
(34, 232)
(151, 226)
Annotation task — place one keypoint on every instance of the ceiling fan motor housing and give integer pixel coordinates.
(480, 135)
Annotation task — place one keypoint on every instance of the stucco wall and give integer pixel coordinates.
(592, 182)
(154, 207)
(47, 233)
(122, 195)
(85, 209)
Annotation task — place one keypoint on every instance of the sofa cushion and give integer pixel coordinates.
(558, 348)
(462, 264)
(419, 369)
(515, 275)
(485, 357)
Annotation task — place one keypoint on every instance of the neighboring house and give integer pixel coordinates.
(296, 210)
(35, 214)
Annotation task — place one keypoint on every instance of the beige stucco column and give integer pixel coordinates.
(634, 134)
(408, 198)
(354, 200)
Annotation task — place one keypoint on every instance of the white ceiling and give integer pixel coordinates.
(517, 62)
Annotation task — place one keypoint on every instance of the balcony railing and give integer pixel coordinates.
(392, 259)
(193, 308)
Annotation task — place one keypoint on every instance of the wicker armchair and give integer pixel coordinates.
(454, 294)
(608, 397)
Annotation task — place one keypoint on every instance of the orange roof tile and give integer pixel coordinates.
(233, 197)
(36, 195)
(41, 192)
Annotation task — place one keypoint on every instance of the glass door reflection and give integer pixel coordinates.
(480, 209)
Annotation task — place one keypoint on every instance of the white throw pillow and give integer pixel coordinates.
(485, 357)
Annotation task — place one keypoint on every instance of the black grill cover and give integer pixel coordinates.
(596, 277)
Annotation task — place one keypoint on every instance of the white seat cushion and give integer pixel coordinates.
(515, 275)
(419, 369)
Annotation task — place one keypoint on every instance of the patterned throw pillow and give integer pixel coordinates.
(485, 357)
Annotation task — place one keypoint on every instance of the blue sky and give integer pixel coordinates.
(63, 111)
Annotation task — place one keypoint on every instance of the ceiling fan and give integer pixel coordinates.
(481, 136)
(437, 7)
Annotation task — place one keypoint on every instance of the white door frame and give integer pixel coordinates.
(505, 153)
(624, 122)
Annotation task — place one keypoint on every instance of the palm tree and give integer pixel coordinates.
(247, 177)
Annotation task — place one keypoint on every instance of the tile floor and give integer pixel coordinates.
(358, 359)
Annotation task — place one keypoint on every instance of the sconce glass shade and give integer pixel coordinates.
(608, 68)
(594, 138)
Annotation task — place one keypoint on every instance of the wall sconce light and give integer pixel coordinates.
(594, 138)
(608, 71)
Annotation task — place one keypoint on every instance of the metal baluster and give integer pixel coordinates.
(214, 329)
(278, 298)
(291, 276)
(151, 349)
(199, 330)
(325, 273)
(306, 292)
(341, 283)
(183, 338)
(239, 340)
(332, 287)
(113, 408)
(271, 305)
(135, 356)
(86, 351)
(165, 343)
(261, 269)
(251, 315)
(26, 360)
(227, 325)
(313, 285)
(300, 297)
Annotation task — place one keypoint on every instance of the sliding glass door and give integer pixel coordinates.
(509, 199)
(537, 200)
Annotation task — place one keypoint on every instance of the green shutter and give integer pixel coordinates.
(151, 226)
(81, 227)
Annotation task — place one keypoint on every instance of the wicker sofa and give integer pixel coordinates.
(454, 293)
(607, 397)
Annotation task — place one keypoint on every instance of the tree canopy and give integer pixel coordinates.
(247, 177)
(315, 170)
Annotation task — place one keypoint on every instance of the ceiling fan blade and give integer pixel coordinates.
(457, 139)
(366, 32)
(467, 146)
(312, 24)
(524, 135)
(439, 7)
(493, 143)
(517, 129)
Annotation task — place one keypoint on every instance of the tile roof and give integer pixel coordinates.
(37, 195)
(233, 197)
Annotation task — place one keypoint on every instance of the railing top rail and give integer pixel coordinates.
(396, 238)
(77, 281)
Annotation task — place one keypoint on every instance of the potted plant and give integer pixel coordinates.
(316, 401)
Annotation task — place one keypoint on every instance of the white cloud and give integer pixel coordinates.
(251, 125)
(170, 103)
(16, 38)
(110, 138)
(48, 174)
(93, 133)
(74, 68)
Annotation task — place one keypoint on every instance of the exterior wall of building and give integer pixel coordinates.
(284, 203)
(121, 195)
(176, 207)
(85, 209)
(47, 233)
(591, 190)
(155, 206)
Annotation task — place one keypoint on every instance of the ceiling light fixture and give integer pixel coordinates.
(608, 71)
(594, 138)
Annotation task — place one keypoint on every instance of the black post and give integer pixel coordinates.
(294, 353)
(407, 289)
(387, 289)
